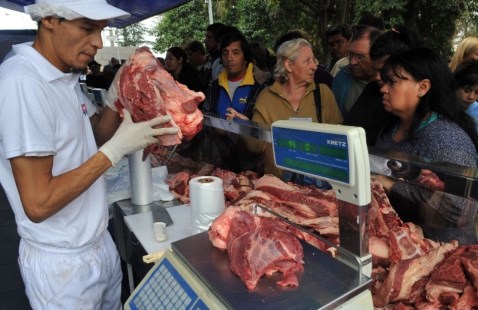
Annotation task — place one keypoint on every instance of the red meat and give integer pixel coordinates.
(146, 90)
(257, 246)
(263, 250)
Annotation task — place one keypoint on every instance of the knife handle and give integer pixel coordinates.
(159, 233)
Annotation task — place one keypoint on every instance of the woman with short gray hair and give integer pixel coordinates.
(293, 95)
(288, 50)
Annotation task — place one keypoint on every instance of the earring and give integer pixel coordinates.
(420, 94)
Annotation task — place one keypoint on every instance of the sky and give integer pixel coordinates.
(10, 19)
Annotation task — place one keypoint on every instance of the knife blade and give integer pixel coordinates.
(160, 214)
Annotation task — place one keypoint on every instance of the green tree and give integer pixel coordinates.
(181, 25)
(437, 21)
(434, 20)
(265, 21)
(467, 24)
(132, 35)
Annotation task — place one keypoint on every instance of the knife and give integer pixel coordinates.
(160, 214)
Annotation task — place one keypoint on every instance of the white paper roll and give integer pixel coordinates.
(141, 179)
(207, 201)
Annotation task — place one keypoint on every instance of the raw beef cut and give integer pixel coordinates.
(264, 250)
(257, 246)
(403, 277)
(448, 279)
(429, 179)
(147, 90)
(468, 300)
(469, 260)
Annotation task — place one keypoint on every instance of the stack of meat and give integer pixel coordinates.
(235, 185)
(409, 271)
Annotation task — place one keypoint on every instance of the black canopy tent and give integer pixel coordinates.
(139, 9)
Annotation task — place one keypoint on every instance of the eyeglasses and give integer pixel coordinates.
(358, 57)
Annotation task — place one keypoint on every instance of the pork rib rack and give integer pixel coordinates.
(146, 90)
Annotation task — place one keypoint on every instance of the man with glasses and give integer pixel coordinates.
(350, 81)
(338, 39)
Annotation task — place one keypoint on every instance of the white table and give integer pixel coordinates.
(141, 224)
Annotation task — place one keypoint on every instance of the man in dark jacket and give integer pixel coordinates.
(239, 83)
(237, 87)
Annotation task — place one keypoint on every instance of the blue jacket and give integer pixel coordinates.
(218, 99)
(340, 87)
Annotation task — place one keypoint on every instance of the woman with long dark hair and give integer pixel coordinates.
(419, 89)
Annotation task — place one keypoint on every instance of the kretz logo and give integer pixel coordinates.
(337, 143)
(83, 108)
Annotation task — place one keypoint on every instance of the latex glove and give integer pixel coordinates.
(131, 137)
(112, 93)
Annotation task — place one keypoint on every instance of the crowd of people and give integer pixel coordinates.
(55, 145)
(406, 96)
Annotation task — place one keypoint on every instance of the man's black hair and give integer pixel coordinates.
(214, 27)
(371, 20)
(343, 29)
(196, 46)
(234, 36)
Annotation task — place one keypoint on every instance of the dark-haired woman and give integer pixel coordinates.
(428, 122)
(177, 64)
(419, 90)
(368, 111)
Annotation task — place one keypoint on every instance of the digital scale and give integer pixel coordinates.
(195, 275)
(334, 153)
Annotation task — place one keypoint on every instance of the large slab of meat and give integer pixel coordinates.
(147, 90)
(257, 247)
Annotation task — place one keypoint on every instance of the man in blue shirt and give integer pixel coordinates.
(350, 81)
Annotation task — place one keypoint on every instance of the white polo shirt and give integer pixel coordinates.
(43, 112)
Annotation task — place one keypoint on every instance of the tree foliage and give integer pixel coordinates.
(467, 24)
(437, 21)
(434, 20)
(132, 35)
(181, 25)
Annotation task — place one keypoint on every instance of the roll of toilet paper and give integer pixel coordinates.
(207, 201)
(141, 179)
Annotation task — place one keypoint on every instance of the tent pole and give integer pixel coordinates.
(209, 8)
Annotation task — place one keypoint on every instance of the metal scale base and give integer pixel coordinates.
(325, 282)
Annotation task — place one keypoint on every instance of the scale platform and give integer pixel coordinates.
(195, 275)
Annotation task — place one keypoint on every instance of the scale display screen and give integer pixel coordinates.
(323, 155)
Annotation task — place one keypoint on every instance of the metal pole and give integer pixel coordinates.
(118, 45)
(209, 8)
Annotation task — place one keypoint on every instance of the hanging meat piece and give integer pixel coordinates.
(147, 90)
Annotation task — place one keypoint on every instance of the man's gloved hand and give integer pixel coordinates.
(112, 93)
(131, 137)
